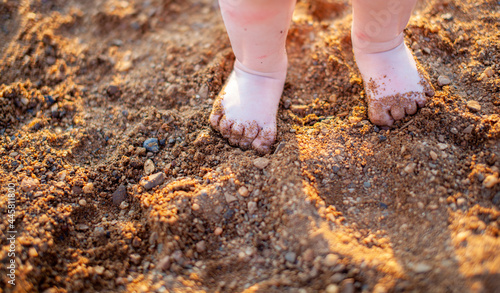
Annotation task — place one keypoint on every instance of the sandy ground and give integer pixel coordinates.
(339, 206)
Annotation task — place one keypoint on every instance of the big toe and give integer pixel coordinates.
(225, 125)
(264, 140)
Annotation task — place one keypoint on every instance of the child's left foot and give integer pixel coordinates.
(245, 109)
(394, 84)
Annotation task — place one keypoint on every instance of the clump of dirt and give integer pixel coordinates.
(121, 185)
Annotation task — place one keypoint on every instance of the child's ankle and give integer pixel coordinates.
(364, 44)
(278, 72)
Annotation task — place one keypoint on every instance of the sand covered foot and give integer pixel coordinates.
(395, 85)
(245, 110)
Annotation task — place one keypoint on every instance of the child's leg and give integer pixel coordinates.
(245, 110)
(394, 85)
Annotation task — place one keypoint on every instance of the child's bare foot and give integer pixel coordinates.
(245, 110)
(395, 86)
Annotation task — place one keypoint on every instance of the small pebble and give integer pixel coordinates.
(280, 147)
(433, 207)
(99, 270)
(203, 92)
(261, 163)
(243, 191)
(332, 288)
(291, 257)
(347, 286)
(229, 197)
(149, 167)
(164, 263)
(124, 205)
(112, 90)
(473, 106)
(153, 238)
(490, 181)
(201, 246)
(49, 100)
(367, 184)
(382, 138)
(117, 42)
(88, 188)
(337, 278)
(461, 201)
(32, 252)
(252, 207)
(135, 258)
(218, 231)
(443, 80)
(81, 227)
(195, 207)
(330, 260)
(462, 236)
(308, 255)
(489, 72)
(468, 129)
(152, 181)
(355, 120)
(447, 16)
(433, 155)
(119, 195)
(82, 202)
(202, 139)
(422, 268)
(29, 184)
(136, 242)
(140, 151)
(410, 168)
(151, 144)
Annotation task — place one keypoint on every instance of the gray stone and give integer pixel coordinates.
(347, 286)
(444, 80)
(152, 181)
(291, 257)
(252, 207)
(422, 268)
(119, 195)
(151, 145)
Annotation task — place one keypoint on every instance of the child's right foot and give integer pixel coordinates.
(245, 109)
